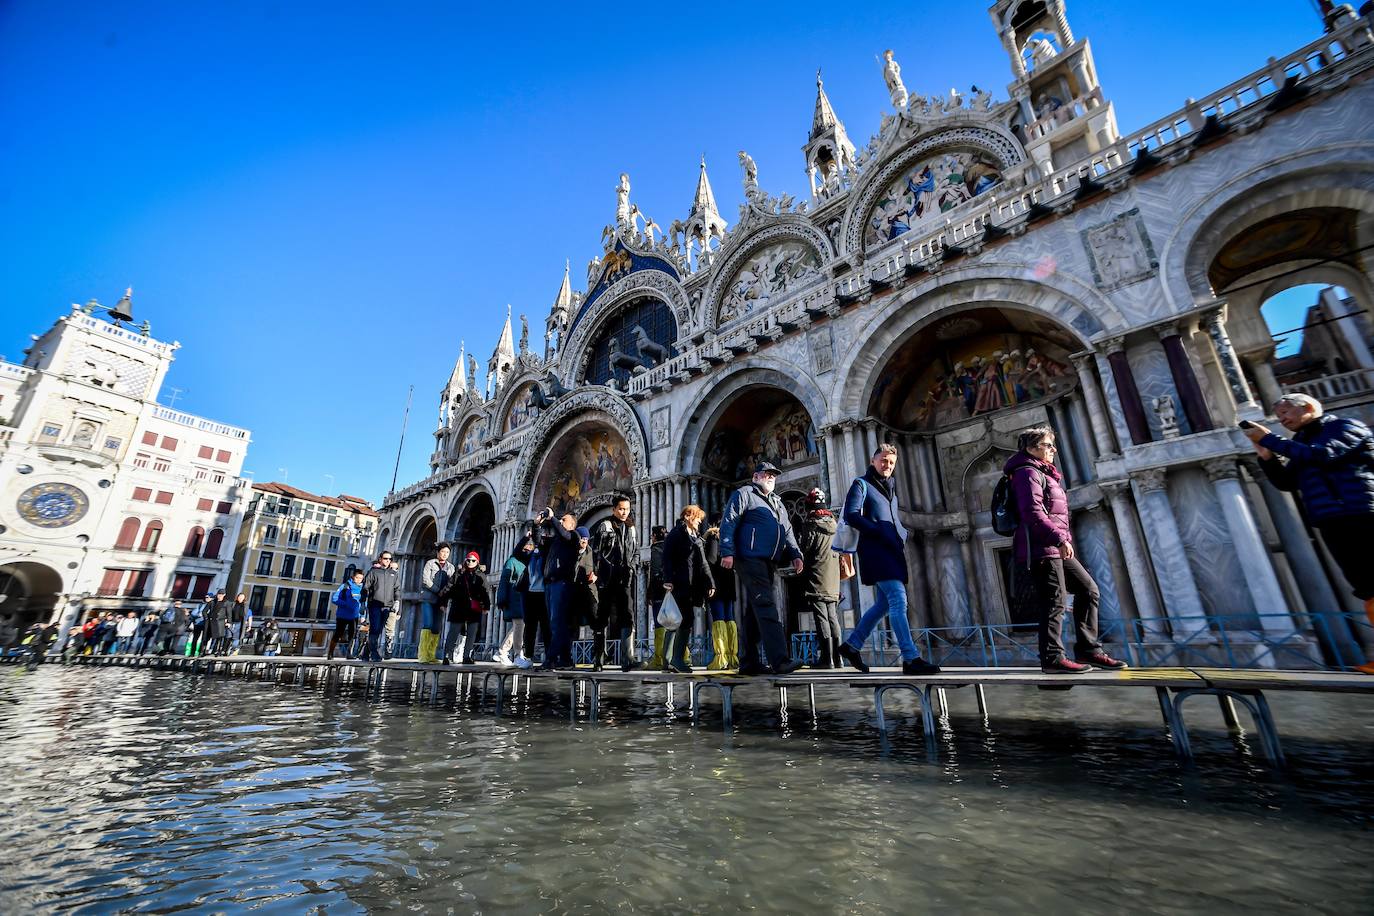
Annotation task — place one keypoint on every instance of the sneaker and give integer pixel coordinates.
(1100, 659)
(851, 655)
(919, 667)
(1064, 666)
(523, 663)
(502, 659)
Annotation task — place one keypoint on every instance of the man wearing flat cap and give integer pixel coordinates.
(755, 538)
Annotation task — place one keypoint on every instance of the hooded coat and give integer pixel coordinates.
(820, 576)
(1043, 506)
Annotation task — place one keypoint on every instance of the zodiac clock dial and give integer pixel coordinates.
(53, 505)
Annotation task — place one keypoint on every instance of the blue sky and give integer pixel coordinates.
(320, 200)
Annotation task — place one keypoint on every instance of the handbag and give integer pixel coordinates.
(846, 539)
(669, 616)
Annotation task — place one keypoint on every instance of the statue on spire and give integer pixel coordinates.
(751, 174)
(622, 203)
(892, 75)
(524, 334)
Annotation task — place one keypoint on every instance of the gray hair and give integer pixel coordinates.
(1302, 400)
(1031, 436)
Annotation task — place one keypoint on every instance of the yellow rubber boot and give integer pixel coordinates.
(732, 643)
(1368, 667)
(429, 643)
(720, 644)
(656, 663)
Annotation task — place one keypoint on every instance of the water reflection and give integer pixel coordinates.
(146, 790)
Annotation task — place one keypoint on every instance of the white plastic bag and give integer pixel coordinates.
(669, 617)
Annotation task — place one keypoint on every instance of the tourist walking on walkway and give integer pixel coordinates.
(561, 544)
(687, 576)
(657, 534)
(1043, 545)
(434, 580)
(872, 509)
(536, 609)
(511, 602)
(616, 551)
(147, 633)
(820, 580)
(724, 632)
(109, 632)
(1329, 463)
(268, 639)
(126, 631)
(382, 595)
(755, 537)
(217, 622)
(467, 602)
(348, 603)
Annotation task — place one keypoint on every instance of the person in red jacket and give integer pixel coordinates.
(1044, 544)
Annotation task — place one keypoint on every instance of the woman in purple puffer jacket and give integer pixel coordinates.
(1044, 544)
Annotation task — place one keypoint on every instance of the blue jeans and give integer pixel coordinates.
(560, 652)
(429, 617)
(377, 614)
(892, 602)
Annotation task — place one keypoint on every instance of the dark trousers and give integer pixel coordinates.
(1348, 539)
(762, 618)
(377, 614)
(827, 617)
(675, 653)
(536, 622)
(558, 648)
(1055, 581)
(465, 629)
(197, 639)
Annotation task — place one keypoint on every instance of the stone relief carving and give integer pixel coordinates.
(1120, 251)
(822, 345)
(1168, 417)
(770, 272)
(660, 429)
(746, 247)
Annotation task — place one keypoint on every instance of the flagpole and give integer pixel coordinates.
(405, 420)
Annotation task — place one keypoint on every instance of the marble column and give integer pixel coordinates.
(1182, 600)
(937, 616)
(1306, 564)
(1132, 407)
(851, 449)
(1214, 321)
(1081, 426)
(954, 582)
(1185, 380)
(1137, 561)
(1261, 363)
(1260, 579)
(917, 587)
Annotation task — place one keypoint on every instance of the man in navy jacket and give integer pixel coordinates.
(755, 537)
(871, 509)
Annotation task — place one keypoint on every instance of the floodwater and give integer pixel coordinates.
(151, 791)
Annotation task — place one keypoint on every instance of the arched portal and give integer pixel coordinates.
(585, 468)
(30, 592)
(470, 527)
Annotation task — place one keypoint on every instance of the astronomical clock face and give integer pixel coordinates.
(53, 505)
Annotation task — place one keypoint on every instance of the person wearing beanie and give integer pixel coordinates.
(820, 578)
(467, 602)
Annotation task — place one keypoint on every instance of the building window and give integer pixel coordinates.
(647, 316)
(137, 584)
(314, 540)
(181, 585)
(141, 460)
(163, 498)
(308, 569)
(270, 534)
(202, 473)
(322, 605)
(257, 599)
(224, 508)
(217, 477)
(288, 566)
(109, 582)
(303, 604)
(334, 544)
(293, 537)
(202, 586)
(283, 606)
(205, 452)
(204, 505)
(150, 438)
(213, 544)
(328, 574)
(169, 444)
(161, 465)
(151, 535)
(128, 535)
(222, 456)
(264, 563)
(195, 540)
(142, 494)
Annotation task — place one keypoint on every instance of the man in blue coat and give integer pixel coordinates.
(1329, 462)
(755, 537)
(871, 509)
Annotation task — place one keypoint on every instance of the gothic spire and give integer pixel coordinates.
(563, 303)
(506, 345)
(704, 203)
(458, 381)
(824, 119)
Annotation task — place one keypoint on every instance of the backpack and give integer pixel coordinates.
(1006, 517)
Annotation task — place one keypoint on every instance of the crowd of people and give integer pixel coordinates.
(561, 576)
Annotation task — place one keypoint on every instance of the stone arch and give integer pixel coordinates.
(652, 283)
(738, 250)
(993, 140)
(986, 286)
(1327, 178)
(752, 373)
(413, 523)
(460, 503)
(31, 593)
(568, 410)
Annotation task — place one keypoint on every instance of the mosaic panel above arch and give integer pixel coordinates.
(771, 271)
(590, 460)
(923, 191)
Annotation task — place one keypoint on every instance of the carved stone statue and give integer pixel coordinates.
(1168, 418)
(472, 371)
(622, 202)
(892, 75)
(751, 173)
(524, 334)
(1042, 51)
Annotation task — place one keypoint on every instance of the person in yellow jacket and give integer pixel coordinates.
(434, 585)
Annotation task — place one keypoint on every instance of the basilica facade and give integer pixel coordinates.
(978, 266)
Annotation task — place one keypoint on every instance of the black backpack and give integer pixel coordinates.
(1006, 517)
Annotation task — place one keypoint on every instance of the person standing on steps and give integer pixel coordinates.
(687, 576)
(755, 537)
(467, 602)
(724, 632)
(434, 581)
(615, 555)
(382, 598)
(821, 578)
(348, 601)
(872, 509)
(1044, 543)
